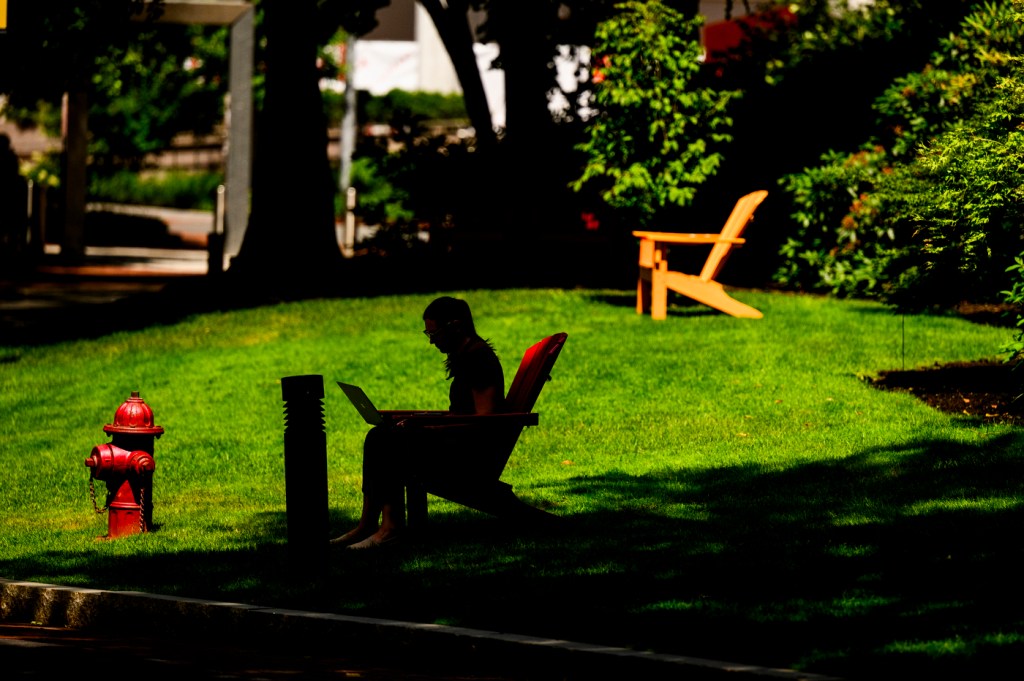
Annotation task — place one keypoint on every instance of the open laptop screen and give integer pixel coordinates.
(362, 403)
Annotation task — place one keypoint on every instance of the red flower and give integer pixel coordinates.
(598, 75)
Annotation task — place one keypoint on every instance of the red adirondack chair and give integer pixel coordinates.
(487, 492)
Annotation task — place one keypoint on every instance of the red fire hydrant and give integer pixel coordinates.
(127, 465)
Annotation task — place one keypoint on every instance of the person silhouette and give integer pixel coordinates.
(399, 449)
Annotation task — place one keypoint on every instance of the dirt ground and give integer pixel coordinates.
(991, 390)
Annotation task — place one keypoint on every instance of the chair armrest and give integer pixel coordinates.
(419, 419)
(398, 413)
(680, 238)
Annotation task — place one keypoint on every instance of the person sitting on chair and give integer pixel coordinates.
(399, 450)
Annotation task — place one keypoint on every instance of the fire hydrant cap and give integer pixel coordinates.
(134, 416)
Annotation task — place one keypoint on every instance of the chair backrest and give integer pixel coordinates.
(534, 371)
(742, 214)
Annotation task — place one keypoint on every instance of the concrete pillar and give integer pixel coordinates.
(239, 157)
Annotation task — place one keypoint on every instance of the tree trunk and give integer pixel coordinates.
(75, 158)
(290, 244)
(530, 141)
(452, 24)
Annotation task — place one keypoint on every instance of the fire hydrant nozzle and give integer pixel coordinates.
(110, 461)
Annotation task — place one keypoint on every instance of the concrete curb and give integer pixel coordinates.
(92, 609)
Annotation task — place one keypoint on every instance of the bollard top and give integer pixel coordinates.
(303, 388)
(134, 416)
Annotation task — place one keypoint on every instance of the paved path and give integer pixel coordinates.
(30, 651)
(211, 639)
(54, 301)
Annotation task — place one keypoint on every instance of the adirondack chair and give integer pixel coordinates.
(487, 492)
(656, 280)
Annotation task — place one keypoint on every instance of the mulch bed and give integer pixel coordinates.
(986, 389)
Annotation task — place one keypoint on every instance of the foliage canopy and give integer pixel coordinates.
(656, 137)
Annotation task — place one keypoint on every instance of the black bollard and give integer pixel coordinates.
(305, 470)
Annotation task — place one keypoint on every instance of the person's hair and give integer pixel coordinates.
(447, 309)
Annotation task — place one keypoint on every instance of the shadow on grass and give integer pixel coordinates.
(895, 561)
(677, 305)
(179, 297)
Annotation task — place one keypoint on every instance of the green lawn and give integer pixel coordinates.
(731, 488)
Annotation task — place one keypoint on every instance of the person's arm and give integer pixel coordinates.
(486, 400)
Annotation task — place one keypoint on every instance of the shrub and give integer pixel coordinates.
(171, 189)
(921, 215)
(840, 260)
(656, 137)
(380, 201)
(1015, 296)
(400, 106)
(428, 182)
(963, 207)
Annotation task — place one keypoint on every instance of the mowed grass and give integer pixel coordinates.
(729, 488)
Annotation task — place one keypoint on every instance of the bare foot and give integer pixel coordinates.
(377, 540)
(352, 536)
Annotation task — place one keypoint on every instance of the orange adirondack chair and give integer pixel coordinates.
(656, 280)
(488, 493)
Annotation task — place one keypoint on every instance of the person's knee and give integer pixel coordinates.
(375, 442)
(380, 437)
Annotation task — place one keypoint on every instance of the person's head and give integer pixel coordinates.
(446, 320)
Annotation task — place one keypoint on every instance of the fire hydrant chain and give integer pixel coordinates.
(142, 505)
(92, 496)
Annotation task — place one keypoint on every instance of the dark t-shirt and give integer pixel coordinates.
(476, 366)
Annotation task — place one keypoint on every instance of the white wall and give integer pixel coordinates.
(424, 65)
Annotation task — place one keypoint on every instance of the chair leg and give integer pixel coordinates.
(659, 294)
(416, 505)
(643, 295)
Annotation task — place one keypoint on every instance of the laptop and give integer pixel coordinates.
(362, 403)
